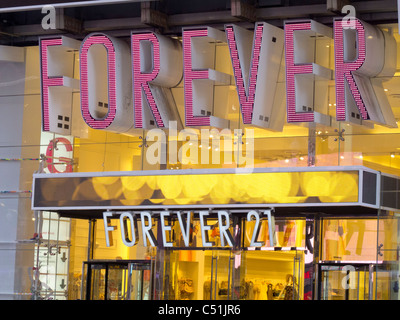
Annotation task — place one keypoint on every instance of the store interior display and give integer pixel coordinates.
(206, 275)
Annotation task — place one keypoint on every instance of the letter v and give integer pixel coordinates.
(185, 233)
(256, 62)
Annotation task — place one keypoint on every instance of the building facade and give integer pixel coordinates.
(217, 150)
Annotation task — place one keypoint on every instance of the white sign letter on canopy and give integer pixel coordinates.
(165, 228)
(271, 227)
(224, 228)
(124, 230)
(185, 230)
(108, 227)
(204, 229)
(147, 233)
(256, 232)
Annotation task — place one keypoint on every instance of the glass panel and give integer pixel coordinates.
(218, 275)
(52, 255)
(189, 276)
(79, 232)
(273, 275)
(117, 281)
(98, 282)
(137, 285)
(349, 239)
(387, 238)
(198, 275)
(80, 289)
(288, 233)
(298, 276)
(345, 282)
(386, 282)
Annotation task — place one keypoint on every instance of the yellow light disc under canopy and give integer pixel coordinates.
(280, 185)
(314, 184)
(145, 192)
(170, 186)
(105, 180)
(343, 188)
(151, 181)
(256, 186)
(219, 195)
(133, 183)
(111, 184)
(236, 191)
(156, 201)
(182, 200)
(197, 186)
(86, 190)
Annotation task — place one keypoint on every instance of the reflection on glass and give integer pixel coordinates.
(117, 282)
(345, 282)
(356, 239)
(287, 233)
(98, 283)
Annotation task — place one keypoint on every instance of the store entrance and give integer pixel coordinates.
(116, 280)
(199, 275)
(234, 275)
(219, 276)
(346, 282)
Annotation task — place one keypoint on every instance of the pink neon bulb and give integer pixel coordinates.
(189, 75)
(47, 82)
(291, 70)
(141, 80)
(111, 68)
(344, 70)
(246, 95)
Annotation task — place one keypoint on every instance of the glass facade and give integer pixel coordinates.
(335, 255)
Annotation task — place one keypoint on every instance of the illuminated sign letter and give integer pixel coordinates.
(50, 159)
(146, 229)
(164, 228)
(185, 230)
(365, 56)
(224, 228)
(256, 60)
(108, 227)
(204, 229)
(57, 82)
(301, 71)
(257, 227)
(200, 77)
(106, 83)
(124, 229)
(157, 67)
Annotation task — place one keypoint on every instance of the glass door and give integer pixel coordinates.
(386, 282)
(139, 282)
(117, 280)
(97, 281)
(218, 284)
(345, 282)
